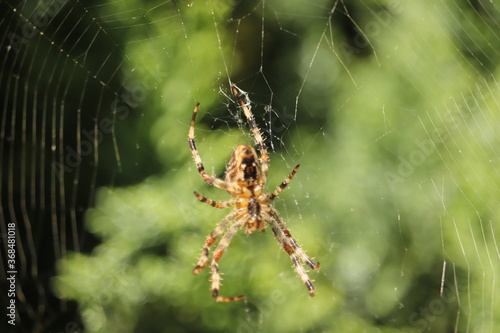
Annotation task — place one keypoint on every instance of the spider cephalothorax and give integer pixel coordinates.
(246, 176)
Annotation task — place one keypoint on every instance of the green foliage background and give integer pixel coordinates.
(398, 144)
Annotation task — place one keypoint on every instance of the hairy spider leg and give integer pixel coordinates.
(290, 246)
(218, 252)
(293, 242)
(284, 184)
(259, 140)
(205, 252)
(216, 204)
(199, 164)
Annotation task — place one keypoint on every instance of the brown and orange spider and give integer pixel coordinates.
(246, 176)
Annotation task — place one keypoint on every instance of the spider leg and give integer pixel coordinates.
(205, 252)
(199, 164)
(216, 204)
(218, 252)
(259, 140)
(284, 184)
(291, 247)
(293, 242)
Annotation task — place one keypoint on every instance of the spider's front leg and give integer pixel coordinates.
(218, 252)
(293, 243)
(291, 247)
(205, 252)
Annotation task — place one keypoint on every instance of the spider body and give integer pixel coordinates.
(245, 179)
(243, 169)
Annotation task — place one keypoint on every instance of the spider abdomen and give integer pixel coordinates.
(244, 165)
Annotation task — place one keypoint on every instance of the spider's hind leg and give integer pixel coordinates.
(196, 155)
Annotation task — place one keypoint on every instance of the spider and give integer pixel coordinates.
(245, 179)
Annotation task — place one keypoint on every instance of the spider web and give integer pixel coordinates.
(390, 107)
